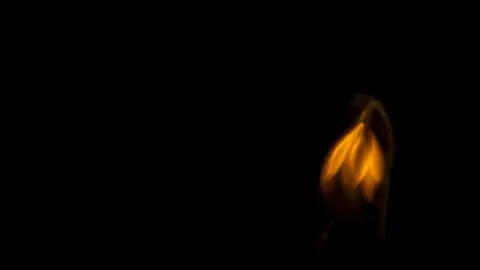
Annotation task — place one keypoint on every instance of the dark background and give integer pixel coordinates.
(249, 146)
(242, 121)
(8, 8)
(247, 119)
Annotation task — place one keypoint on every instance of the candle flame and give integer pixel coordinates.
(357, 160)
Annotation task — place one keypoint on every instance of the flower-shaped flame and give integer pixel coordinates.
(357, 161)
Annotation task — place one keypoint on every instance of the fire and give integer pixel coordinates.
(357, 161)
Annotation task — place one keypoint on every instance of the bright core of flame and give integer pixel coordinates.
(357, 160)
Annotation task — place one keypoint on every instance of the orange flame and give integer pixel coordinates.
(357, 160)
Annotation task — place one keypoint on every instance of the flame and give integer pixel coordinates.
(357, 160)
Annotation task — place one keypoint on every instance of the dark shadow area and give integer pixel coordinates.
(8, 8)
(251, 144)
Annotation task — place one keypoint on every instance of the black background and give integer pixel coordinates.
(240, 118)
(249, 144)
(8, 8)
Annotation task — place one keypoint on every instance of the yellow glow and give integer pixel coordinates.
(356, 160)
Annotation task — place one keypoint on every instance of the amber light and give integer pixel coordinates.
(356, 161)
